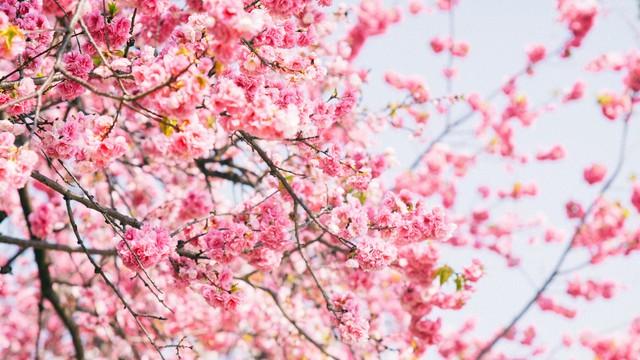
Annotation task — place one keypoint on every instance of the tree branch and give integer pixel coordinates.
(46, 285)
(52, 184)
(98, 270)
(42, 245)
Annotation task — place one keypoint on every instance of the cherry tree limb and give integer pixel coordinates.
(37, 244)
(53, 185)
(46, 285)
(98, 270)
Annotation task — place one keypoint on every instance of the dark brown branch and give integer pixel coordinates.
(129, 98)
(38, 244)
(98, 270)
(6, 268)
(46, 285)
(329, 304)
(230, 176)
(52, 184)
(8, 85)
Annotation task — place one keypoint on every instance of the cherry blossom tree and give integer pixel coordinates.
(201, 178)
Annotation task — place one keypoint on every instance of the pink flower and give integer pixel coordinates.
(273, 221)
(108, 150)
(590, 289)
(352, 325)
(375, 254)
(373, 19)
(579, 16)
(575, 93)
(594, 173)
(536, 53)
(144, 247)
(635, 197)
(413, 84)
(347, 103)
(195, 205)
(151, 7)
(474, 271)
(117, 30)
(426, 330)
(42, 219)
(547, 304)
(6, 144)
(264, 258)
(446, 5)
(12, 39)
(528, 336)
(449, 72)
(69, 90)
(220, 298)
(78, 64)
(613, 105)
(26, 87)
(574, 210)
(557, 152)
(632, 80)
(189, 143)
(349, 213)
(415, 6)
(16, 164)
(438, 44)
(460, 49)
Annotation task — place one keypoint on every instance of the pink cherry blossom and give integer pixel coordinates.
(144, 248)
(594, 173)
(536, 53)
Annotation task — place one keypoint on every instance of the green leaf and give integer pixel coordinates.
(96, 60)
(112, 8)
(362, 196)
(167, 125)
(444, 273)
(459, 282)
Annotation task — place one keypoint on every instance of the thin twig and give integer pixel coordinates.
(46, 285)
(98, 270)
(53, 185)
(38, 244)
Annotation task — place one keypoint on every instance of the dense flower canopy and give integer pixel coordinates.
(199, 178)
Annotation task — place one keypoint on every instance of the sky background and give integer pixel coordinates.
(498, 31)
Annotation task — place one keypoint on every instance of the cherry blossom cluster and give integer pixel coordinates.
(16, 163)
(145, 247)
